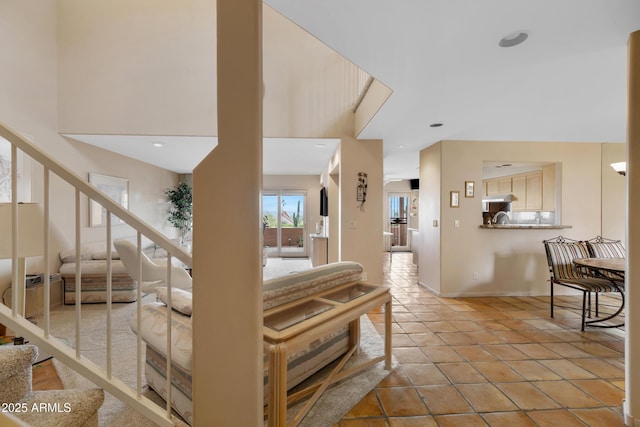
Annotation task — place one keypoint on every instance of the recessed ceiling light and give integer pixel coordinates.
(157, 144)
(435, 125)
(320, 145)
(513, 39)
(401, 146)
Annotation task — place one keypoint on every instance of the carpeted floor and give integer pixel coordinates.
(328, 410)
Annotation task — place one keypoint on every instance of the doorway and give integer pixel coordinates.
(283, 223)
(398, 218)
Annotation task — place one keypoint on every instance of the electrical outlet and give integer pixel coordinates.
(456, 223)
(364, 276)
(435, 223)
(353, 224)
(475, 275)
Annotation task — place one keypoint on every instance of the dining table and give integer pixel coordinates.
(612, 269)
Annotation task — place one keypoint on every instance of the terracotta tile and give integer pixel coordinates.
(497, 372)
(367, 407)
(599, 417)
(444, 399)
(567, 350)
(425, 374)
(600, 367)
(461, 373)
(555, 418)
(543, 324)
(410, 355)
(511, 337)
(440, 327)
(440, 354)
(539, 336)
(430, 316)
(567, 369)
(567, 394)
(516, 325)
(484, 337)
(455, 338)
(467, 420)
(505, 352)
(597, 349)
(403, 317)
(618, 383)
(494, 325)
(423, 421)
(413, 327)
(402, 340)
(508, 419)
(602, 390)
(531, 370)
(364, 422)
(527, 396)
(476, 316)
(536, 351)
(486, 397)
(474, 353)
(396, 378)
(401, 402)
(426, 339)
(466, 325)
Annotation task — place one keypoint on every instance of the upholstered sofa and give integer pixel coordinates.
(93, 264)
(276, 292)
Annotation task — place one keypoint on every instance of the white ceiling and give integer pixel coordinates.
(441, 58)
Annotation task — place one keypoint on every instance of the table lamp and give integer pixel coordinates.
(30, 243)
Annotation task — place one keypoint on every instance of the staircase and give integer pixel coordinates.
(23, 406)
(14, 377)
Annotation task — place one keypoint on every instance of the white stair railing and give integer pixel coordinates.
(41, 337)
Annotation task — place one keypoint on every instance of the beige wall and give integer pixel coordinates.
(613, 192)
(28, 82)
(143, 72)
(361, 237)
(475, 261)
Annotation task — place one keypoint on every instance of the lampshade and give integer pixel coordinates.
(30, 230)
(620, 167)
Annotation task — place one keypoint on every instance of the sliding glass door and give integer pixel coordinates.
(283, 220)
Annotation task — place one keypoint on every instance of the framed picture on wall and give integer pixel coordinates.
(454, 199)
(115, 188)
(469, 188)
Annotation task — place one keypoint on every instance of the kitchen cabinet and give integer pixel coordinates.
(519, 186)
(498, 186)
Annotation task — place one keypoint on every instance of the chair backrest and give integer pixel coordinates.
(600, 247)
(561, 252)
(151, 272)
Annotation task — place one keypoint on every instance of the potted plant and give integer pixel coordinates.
(181, 209)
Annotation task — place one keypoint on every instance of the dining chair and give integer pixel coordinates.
(561, 252)
(153, 275)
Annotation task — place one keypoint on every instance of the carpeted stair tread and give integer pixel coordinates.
(63, 408)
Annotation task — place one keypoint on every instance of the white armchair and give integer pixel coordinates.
(153, 275)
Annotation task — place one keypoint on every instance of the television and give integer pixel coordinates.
(324, 202)
(415, 184)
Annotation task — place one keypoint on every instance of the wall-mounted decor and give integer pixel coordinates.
(361, 190)
(454, 199)
(115, 188)
(469, 189)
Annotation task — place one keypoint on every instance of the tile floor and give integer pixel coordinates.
(496, 361)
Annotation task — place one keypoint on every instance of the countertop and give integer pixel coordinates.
(525, 226)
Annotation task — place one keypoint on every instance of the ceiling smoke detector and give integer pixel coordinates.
(513, 39)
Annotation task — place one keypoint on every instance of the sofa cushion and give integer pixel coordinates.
(154, 332)
(300, 284)
(180, 299)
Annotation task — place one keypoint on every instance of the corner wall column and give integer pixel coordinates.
(631, 405)
(227, 239)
